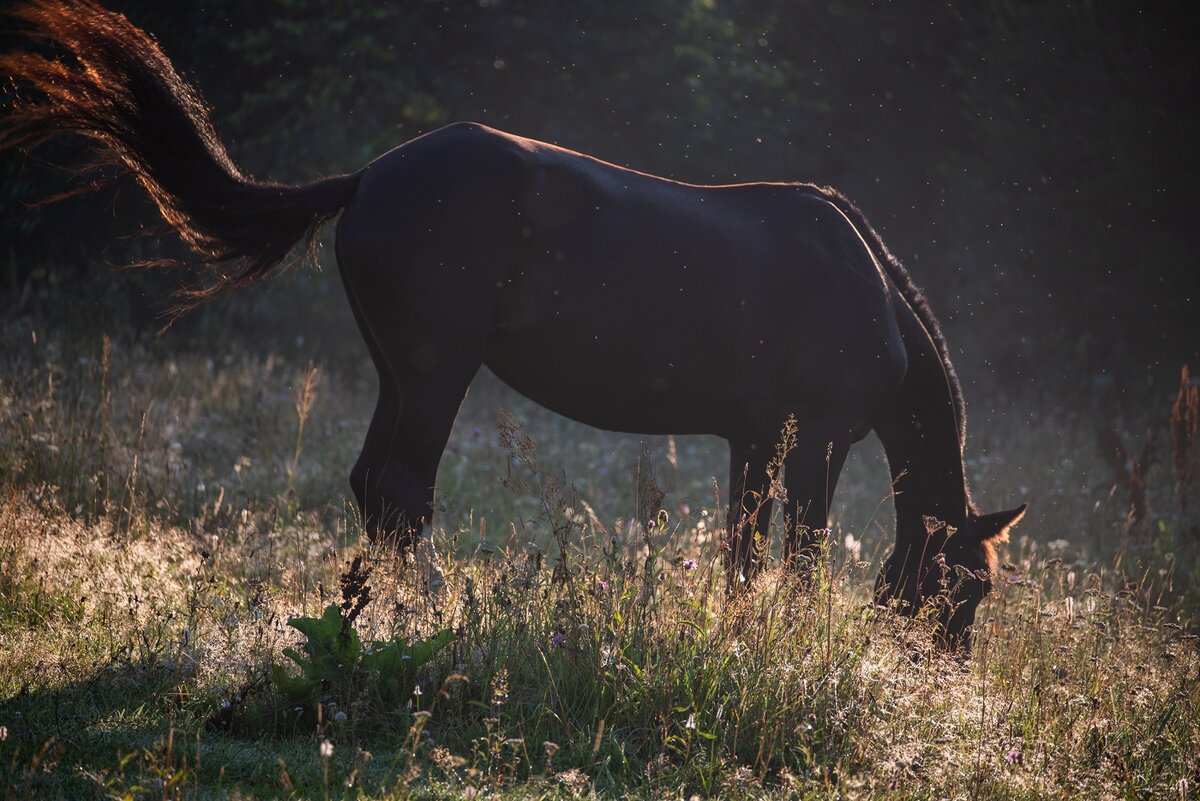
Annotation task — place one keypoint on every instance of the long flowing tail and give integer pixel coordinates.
(110, 82)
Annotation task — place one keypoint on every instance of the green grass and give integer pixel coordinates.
(161, 521)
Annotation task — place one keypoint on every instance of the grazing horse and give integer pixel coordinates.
(619, 299)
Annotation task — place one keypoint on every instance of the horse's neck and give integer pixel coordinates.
(920, 434)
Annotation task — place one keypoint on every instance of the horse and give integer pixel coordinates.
(468, 246)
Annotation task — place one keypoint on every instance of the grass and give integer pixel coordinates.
(165, 512)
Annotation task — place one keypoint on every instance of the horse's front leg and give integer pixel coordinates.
(749, 508)
(810, 477)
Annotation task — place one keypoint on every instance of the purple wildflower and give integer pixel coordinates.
(689, 564)
(1014, 757)
(558, 639)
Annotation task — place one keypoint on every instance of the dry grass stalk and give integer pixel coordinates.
(1130, 472)
(304, 404)
(1185, 416)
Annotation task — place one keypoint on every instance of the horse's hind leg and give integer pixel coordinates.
(393, 479)
(405, 486)
(364, 476)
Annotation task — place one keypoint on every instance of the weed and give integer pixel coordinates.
(336, 667)
(1185, 418)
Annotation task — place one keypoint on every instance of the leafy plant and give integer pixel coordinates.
(334, 661)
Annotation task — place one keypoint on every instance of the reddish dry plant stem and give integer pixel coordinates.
(1185, 417)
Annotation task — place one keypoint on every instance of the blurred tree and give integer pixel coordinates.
(1036, 158)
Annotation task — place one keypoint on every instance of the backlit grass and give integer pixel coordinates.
(164, 514)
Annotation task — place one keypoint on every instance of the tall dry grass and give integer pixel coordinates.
(164, 515)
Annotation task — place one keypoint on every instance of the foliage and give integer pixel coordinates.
(335, 663)
(1031, 154)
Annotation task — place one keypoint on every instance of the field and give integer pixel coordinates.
(188, 606)
(167, 509)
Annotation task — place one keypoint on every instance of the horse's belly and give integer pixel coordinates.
(611, 381)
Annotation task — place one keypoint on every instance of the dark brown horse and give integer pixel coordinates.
(470, 247)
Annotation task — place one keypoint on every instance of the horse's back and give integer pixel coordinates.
(591, 281)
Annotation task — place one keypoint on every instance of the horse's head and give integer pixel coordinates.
(947, 569)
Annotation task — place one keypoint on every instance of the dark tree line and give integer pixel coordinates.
(1033, 163)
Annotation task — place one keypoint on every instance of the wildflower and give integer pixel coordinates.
(340, 716)
(326, 749)
(689, 564)
(417, 691)
(1014, 757)
(573, 779)
(691, 722)
(558, 639)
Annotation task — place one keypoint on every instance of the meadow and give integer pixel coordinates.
(167, 510)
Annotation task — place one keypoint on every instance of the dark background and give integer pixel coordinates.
(1032, 164)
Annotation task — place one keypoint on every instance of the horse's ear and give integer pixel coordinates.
(994, 527)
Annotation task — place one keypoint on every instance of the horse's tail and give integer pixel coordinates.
(911, 292)
(111, 83)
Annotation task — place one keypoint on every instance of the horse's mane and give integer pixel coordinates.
(911, 292)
